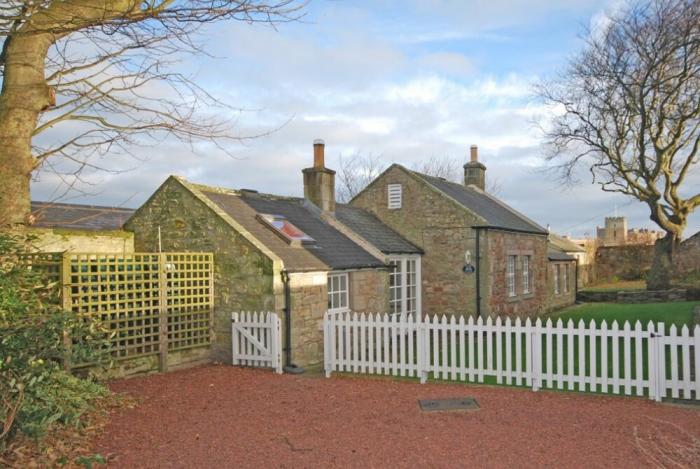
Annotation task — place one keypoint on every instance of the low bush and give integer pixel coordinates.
(36, 337)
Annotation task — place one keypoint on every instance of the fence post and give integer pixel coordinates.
(536, 354)
(66, 306)
(424, 353)
(652, 367)
(327, 359)
(275, 348)
(162, 313)
(234, 339)
(660, 363)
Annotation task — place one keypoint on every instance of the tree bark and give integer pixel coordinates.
(24, 95)
(661, 273)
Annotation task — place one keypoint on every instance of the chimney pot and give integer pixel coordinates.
(319, 156)
(474, 153)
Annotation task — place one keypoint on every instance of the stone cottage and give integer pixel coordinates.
(61, 227)
(480, 256)
(327, 256)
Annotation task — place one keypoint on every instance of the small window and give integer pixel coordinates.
(565, 281)
(394, 195)
(338, 292)
(510, 275)
(285, 229)
(526, 274)
(556, 279)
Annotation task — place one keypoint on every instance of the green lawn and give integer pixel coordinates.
(679, 313)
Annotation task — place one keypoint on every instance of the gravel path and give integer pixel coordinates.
(221, 416)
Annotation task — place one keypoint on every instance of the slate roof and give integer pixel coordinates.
(374, 231)
(332, 249)
(555, 254)
(496, 213)
(79, 217)
(564, 244)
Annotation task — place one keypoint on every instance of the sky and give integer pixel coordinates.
(401, 80)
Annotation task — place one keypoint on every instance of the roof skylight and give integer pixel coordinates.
(285, 229)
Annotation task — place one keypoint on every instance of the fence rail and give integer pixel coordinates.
(605, 358)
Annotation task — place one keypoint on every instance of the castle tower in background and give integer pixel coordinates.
(614, 233)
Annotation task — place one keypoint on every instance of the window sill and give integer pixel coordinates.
(526, 296)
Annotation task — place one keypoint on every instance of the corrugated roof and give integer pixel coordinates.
(333, 249)
(79, 217)
(496, 213)
(374, 231)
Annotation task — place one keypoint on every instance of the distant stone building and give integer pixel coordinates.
(60, 227)
(616, 233)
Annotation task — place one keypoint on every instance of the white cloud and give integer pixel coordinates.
(350, 84)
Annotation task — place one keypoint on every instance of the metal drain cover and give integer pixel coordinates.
(460, 403)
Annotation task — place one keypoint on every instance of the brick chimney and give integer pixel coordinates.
(475, 172)
(319, 181)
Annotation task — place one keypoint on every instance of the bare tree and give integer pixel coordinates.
(99, 75)
(628, 108)
(452, 169)
(355, 172)
(444, 167)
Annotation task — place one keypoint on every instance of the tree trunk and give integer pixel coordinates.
(23, 96)
(662, 269)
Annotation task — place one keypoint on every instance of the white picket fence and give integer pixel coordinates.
(629, 360)
(256, 340)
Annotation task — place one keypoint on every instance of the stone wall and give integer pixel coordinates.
(441, 228)
(309, 294)
(567, 285)
(501, 244)
(630, 262)
(243, 276)
(62, 240)
(638, 296)
(369, 291)
(688, 261)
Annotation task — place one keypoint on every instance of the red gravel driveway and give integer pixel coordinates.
(221, 416)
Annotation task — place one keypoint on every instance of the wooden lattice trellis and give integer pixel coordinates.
(133, 293)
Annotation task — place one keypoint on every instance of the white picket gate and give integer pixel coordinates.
(629, 360)
(256, 340)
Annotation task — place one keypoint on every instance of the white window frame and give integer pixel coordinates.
(527, 287)
(394, 194)
(341, 292)
(511, 262)
(556, 279)
(409, 299)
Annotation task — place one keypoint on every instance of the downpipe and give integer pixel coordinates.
(289, 367)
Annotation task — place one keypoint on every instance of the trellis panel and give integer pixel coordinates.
(152, 303)
(190, 300)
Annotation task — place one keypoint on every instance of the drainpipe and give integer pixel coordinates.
(478, 274)
(576, 280)
(289, 367)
